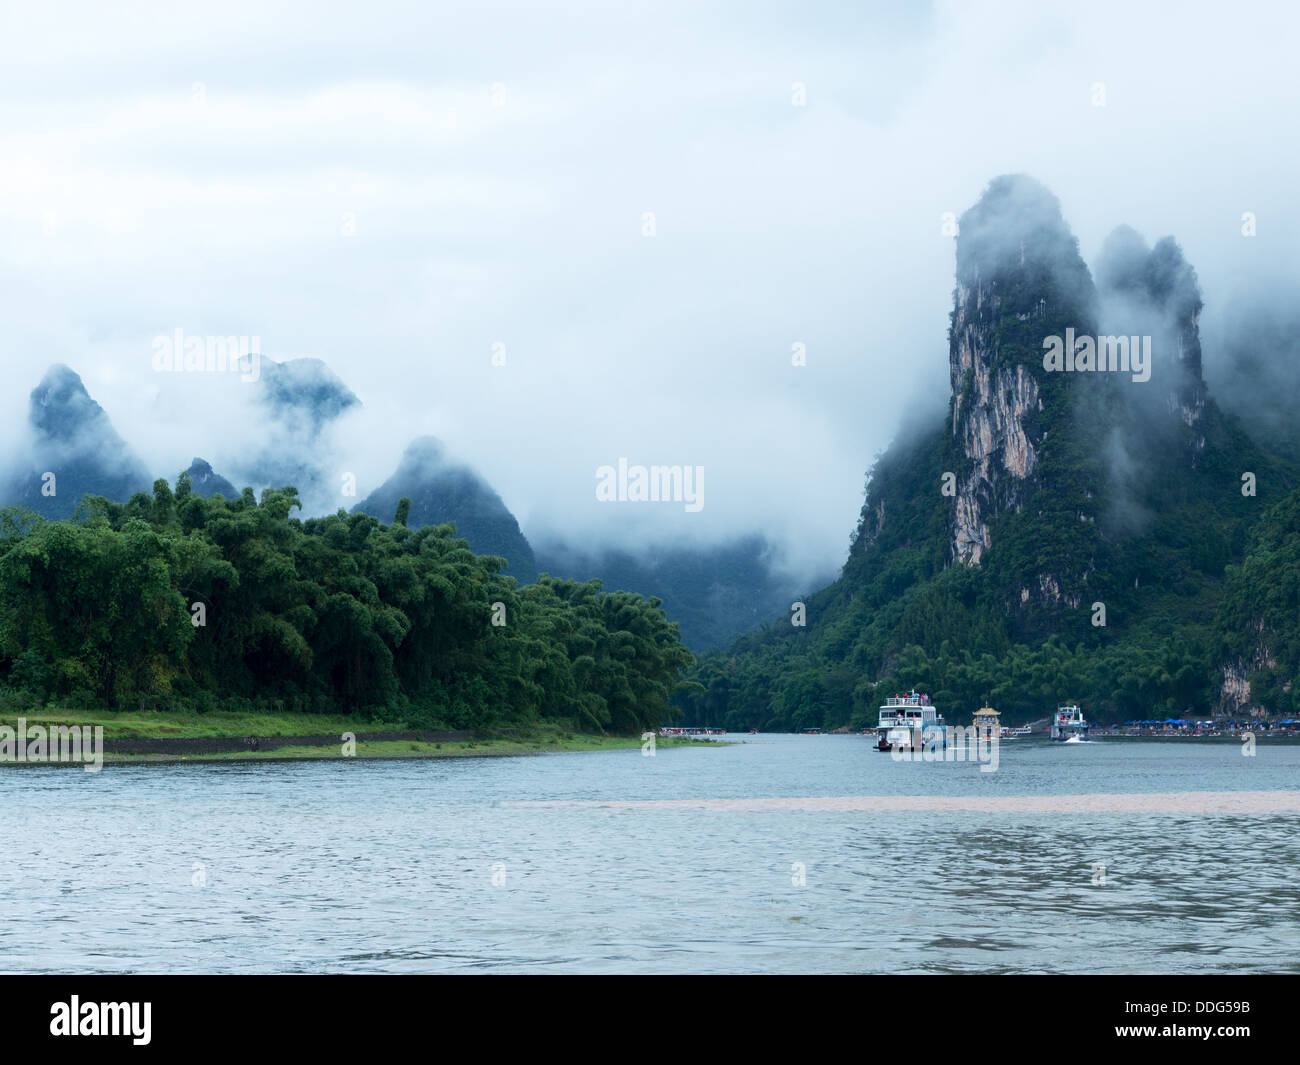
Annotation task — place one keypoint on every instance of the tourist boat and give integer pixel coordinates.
(908, 720)
(1068, 725)
(1021, 730)
(693, 733)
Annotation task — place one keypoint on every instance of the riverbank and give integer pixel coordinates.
(222, 736)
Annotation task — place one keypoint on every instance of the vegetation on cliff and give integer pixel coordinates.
(1060, 536)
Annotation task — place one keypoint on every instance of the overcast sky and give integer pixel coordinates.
(191, 166)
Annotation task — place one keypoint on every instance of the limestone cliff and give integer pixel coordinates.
(1019, 278)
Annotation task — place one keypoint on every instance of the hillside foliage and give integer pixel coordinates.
(174, 601)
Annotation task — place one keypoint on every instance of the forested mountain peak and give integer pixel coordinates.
(442, 489)
(62, 410)
(1015, 237)
(207, 482)
(304, 391)
(424, 451)
(1064, 534)
(73, 449)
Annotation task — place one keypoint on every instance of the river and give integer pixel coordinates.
(680, 862)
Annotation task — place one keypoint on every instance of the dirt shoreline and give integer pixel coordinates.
(238, 744)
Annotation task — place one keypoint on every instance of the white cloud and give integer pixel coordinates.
(521, 224)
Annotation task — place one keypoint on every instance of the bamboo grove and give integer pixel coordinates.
(177, 602)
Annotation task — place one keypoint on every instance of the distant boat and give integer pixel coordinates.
(694, 733)
(1069, 725)
(987, 726)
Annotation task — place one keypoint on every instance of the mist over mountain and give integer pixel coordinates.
(458, 396)
(1254, 374)
(69, 434)
(304, 394)
(1065, 534)
(299, 402)
(441, 489)
(478, 231)
(712, 592)
(71, 438)
(204, 481)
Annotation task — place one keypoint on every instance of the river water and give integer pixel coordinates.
(776, 854)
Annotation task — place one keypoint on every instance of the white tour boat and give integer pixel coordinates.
(1068, 725)
(909, 721)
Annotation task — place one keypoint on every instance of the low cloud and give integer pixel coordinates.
(351, 190)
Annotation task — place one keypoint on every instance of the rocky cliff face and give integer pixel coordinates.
(1257, 618)
(1076, 488)
(990, 408)
(1062, 460)
(1234, 683)
(1019, 277)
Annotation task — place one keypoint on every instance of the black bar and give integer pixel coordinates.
(332, 1013)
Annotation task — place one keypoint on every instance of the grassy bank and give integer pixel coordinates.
(552, 743)
(221, 736)
(215, 724)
